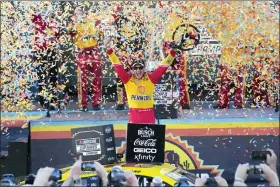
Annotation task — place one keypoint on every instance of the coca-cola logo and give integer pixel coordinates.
(146, 143)
(109, 139)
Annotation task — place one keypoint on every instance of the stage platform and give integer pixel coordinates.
(199, 110)
(202, 140)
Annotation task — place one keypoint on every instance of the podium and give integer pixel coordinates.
(167, 97)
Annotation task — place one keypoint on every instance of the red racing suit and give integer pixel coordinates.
(88, 60)
(224, 92)
(260, 87)
(180, 64)
(140, 92)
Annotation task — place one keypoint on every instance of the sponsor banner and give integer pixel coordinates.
(145, 143)
(94, 143)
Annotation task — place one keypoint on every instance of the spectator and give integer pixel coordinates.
(241, 175)
(42, 177)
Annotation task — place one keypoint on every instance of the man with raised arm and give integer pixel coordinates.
(139, 85)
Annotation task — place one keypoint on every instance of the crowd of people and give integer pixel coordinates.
(36, 54)
(48, 176)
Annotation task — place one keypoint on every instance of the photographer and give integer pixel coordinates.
(43, 176)
(271, 160)
(75, 174)
(241, 174)
(101, 172)
(118, 177)
(131, 179)
(76, 171)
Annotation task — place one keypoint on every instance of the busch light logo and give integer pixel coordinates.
(108, 129)
(146, 132)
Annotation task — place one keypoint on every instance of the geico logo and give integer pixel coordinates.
(110, 149)
(144, 150)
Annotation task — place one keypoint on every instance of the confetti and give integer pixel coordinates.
(255, 23)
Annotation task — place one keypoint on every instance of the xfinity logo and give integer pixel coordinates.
(144, 150)
(109, 139)
(146, 132)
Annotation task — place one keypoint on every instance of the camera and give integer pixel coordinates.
(9, 177)
(211, 182)
(88, 166)
(92, 181)
(116, 176)
(29, 179)
(157, 182)
(182, 182)
(260, 155)
(56, 175)
(254, 169)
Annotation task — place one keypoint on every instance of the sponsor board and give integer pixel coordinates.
(145, 143)
(94, 143)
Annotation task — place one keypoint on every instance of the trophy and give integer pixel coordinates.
(185, 37)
